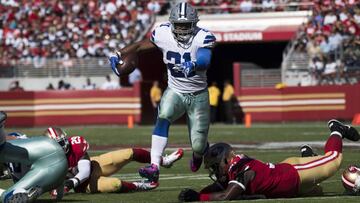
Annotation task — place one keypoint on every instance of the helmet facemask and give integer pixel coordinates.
(64, 143)
(216, 161)
(217, 171)
(183, 31)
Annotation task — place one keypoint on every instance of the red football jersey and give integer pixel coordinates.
(271, 180)
(78, 148)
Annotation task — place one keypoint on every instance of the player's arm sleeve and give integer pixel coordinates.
(84, 169)
(203, 54)
(233, 191)
(203, 58)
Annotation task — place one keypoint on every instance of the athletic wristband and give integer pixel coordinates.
(204, 197)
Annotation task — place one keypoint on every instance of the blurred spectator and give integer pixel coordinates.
(89, 85)
(154, 6)
(110, 84)
(66, 63)
(268, 5)
(214, 93)
(15, 86)
(330, 18)
(317, 67)
(155, 97)
(335, 40)
(330, 71)
(228, 92)
(50, 87)
(63, 85)
(246, 6)
(237, 110)
(325, 46)
(313, 48)
(39, 61)
(135, 76)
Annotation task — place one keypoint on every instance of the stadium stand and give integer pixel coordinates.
(326, 48)
(33, 31)
(55, 39)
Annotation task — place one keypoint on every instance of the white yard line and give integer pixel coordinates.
(266, 146)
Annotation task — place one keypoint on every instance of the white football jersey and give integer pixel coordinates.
(163, 38)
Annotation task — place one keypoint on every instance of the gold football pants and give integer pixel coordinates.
(313, 170)
(106, 165)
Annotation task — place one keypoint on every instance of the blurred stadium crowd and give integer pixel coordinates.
(37, 33)
(331, 39)
(33, 30)
(244, 6)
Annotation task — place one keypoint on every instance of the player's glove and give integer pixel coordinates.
(186, 68)
(114, 59)
(188, 195)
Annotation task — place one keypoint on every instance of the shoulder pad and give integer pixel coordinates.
(206, 38)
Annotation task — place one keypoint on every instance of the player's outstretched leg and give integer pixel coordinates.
(169, 160)
(345, 131)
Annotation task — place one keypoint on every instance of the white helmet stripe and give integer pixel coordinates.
(183, 10)
(52, 133)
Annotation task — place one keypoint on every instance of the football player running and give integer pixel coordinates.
(186, 52)
(91, 174)
(238, 176)
(41, 166)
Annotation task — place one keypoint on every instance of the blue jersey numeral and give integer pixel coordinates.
(177, 57)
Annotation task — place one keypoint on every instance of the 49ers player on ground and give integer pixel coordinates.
(91, 174)
(238, 176)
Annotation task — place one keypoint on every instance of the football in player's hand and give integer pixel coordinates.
(130, 61)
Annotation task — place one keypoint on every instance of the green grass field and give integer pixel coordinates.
(179, 176)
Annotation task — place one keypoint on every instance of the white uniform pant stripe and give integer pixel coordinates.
(319, 162)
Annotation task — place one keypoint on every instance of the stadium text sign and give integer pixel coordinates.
(238, 36)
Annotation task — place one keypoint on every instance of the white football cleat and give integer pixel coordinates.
(169, 160)
(145, 185)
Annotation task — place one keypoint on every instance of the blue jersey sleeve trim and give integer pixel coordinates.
(203, 58)
(152, 38)
(209, 38)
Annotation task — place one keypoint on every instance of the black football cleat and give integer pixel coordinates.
(346, 131)
(307, 151)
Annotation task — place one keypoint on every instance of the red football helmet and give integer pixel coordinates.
(351, 179)
(59, 136)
